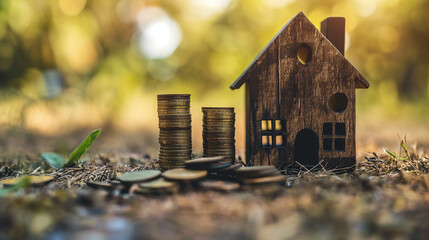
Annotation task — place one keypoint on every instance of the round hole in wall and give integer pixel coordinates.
(338, 102)
(304, 54)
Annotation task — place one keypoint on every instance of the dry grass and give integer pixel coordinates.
(385, 198)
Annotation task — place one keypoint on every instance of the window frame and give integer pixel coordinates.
(332, 138)
(273, 133)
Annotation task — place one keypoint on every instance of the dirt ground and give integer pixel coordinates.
(385, 198)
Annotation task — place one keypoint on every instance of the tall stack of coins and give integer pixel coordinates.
(219, 132)
(174, 130)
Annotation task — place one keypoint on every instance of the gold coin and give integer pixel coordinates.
(215, 147)
(173, 106)
(175, 148)
(178, 151)
(176, 126)
(175, 136)
(182, 174)
(99, 184)
(174, 96)
(229, 169)
(216, 122)
(175, 154)
(173, 112)
(255, 171)
(158, 184)
(218, 153)
(174, 144)
(268, 179)
(219, 131)
(166, 103)
(204, 160)
(225, 114)
(33, 180)
(139, 176)
(172, 162)
(177, 132)
(174, 158)
(227, 156)
(181, 124)
(219, 109)
(219, 135)
(212, 117)
(175, 116)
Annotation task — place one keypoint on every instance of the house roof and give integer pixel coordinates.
(360, 81)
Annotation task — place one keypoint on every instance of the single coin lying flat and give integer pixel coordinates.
(139, 176)
(99, 184)
(182, 174)
(159, 183)
(229, 169)
(158, 186)
(204, 160)
(255, 171)
(33, 180)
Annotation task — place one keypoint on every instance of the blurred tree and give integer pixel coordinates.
(107, 50)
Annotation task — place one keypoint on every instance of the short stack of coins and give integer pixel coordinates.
(219, 132)
(175, 136)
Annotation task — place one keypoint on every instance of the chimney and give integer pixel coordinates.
(334, 30)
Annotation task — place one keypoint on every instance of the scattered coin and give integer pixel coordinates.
(215, 167)
(115, 183)
(211, 164)
(33, 180)
(223, 177)
(139, 176)
(204, 160)
(99, 184)
(159, 186)
(255, 171)
(182, 174)
(229, 169)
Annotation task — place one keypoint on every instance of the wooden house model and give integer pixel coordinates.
(300, 98)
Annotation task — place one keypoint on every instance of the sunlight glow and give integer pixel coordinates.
(208, 8)
(347, 42)
(365, 7)
(388, 39)
(160, 35)
(72, 7)
(277, 3)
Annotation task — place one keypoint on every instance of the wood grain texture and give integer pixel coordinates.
(279, 87)
(360, 81)
(334, 29)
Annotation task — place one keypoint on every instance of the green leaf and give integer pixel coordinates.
(391, 154)
(54, 160)
(82, 148)
(406, 151)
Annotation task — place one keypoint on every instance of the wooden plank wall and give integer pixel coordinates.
(280, 87)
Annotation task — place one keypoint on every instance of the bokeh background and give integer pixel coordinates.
(68, 66)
